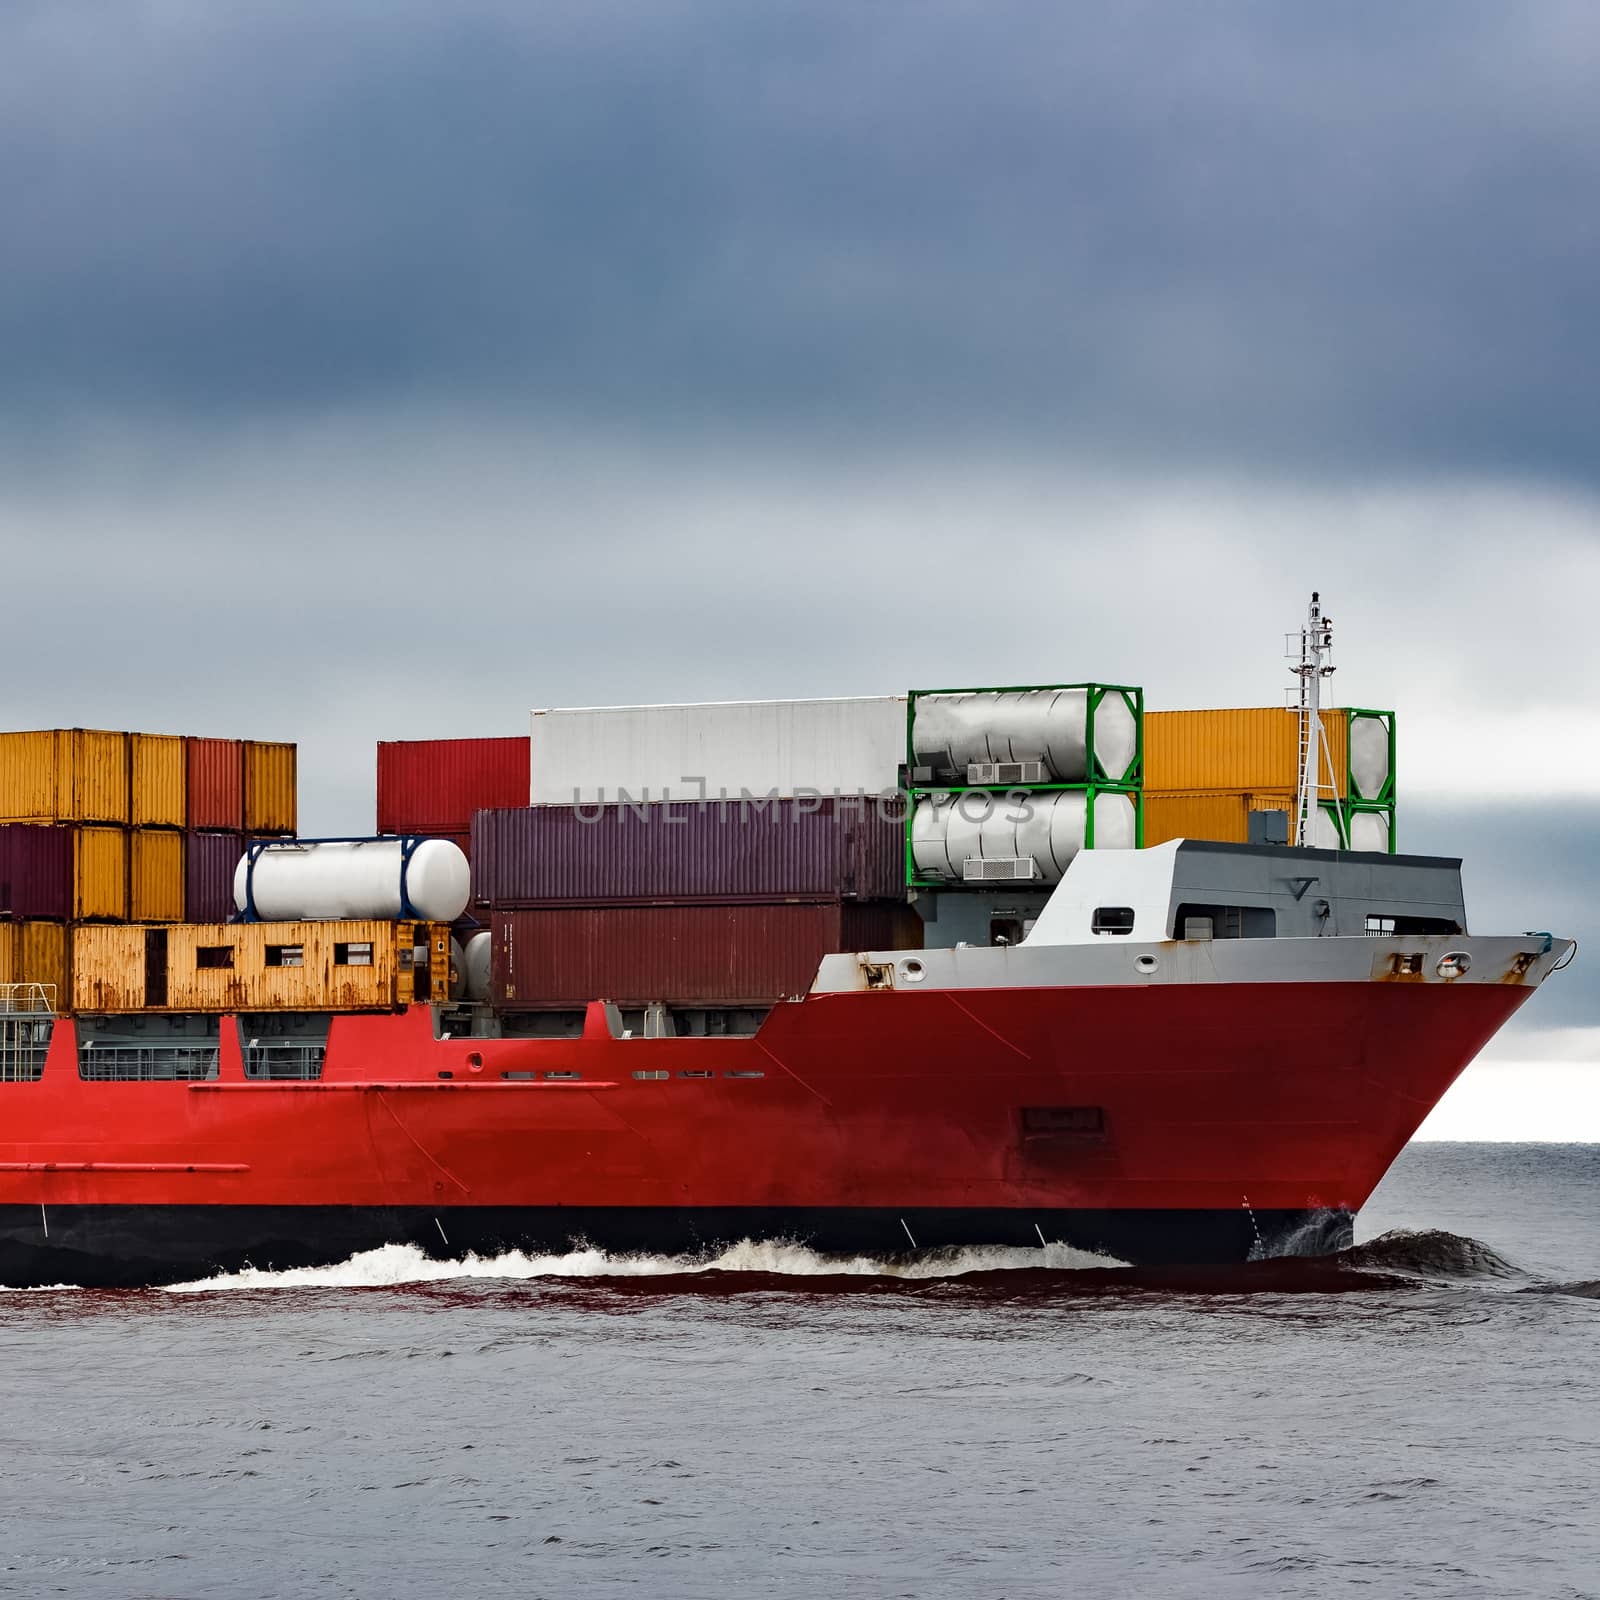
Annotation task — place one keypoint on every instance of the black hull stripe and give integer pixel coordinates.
(134, 1246)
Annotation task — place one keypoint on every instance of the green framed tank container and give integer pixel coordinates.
(1370, 755)
(1370, 827)
(1113, 761)
(1090, 791)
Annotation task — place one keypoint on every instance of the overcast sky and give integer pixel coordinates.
(378, 370)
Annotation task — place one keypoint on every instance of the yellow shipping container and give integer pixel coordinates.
(37, 952)
(47, 959)
(263, 966)
(158, 778)
(100, 874)
(1242, 749)
(269, 788)
(64, 775)
(155, 876)
(1209, 815)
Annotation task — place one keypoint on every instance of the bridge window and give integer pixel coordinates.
(1227, 922)
(1112, 919)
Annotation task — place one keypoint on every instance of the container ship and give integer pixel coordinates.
(1014, 966)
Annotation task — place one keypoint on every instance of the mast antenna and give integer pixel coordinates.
(1310, 654)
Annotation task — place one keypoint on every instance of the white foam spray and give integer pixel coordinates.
(394, 1265)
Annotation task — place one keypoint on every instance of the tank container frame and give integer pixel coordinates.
(1090, 791)
(1131, 783)
(255, 847)
(1132, 777)
(1386, 794)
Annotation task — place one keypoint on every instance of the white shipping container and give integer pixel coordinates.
(580, 755)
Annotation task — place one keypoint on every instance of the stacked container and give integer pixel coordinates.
(107, 827)
(1007, 785)
(1207, 772)
(786, 844)
(433, 786)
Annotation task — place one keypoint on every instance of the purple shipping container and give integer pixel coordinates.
(723, 955)
(683, 850)
(209, 862)
(35, 871)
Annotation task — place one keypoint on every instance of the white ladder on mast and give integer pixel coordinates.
(1311, 666)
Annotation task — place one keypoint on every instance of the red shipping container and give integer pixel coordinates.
(435, 785)
(216, 783)
(685, 850)
(720, 955)
(35, 871)
(209, 862)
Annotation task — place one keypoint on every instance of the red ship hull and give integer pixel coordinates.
(1158, 1124)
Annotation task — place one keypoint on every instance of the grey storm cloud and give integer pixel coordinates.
(1335, 237)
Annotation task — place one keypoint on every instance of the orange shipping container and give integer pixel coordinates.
(269, 788)
(1242, 749)
(100, 874)
(64, 775)
(262, 966)
(158, 784)
(155, 876)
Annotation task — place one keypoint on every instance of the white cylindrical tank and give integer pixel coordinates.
(950, 731)
(949, 829)
(354, 878)
(1369, 756)
(1369, 830)
(478, 956)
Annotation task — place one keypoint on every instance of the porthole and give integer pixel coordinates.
(1146, 964)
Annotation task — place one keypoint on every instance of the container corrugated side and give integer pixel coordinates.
(155, 875)
(1210, 814)
(37, 952)
(100, 874)
(264, 966)
(108, 968)
(215, 782)
(784, 747)
(209, 862)
(435, 785)
(158, 781)
(801, 849)
(35, 870)
(64, 775)
(721, 955)
(269, 788)
(1237, 749)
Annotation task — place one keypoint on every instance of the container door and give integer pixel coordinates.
(155, 966)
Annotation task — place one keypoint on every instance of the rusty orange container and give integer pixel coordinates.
(64, 775)
(263, 966)
(155, 875)
(269, 788)
(108, 968)
(157, 781)
(1249, 748)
